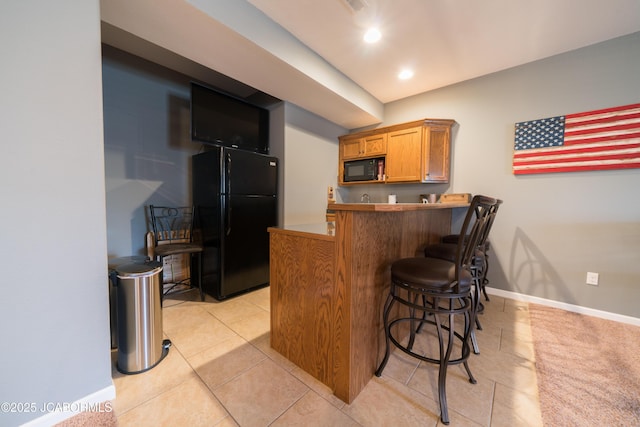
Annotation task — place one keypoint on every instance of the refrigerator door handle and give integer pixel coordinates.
(228, 174)
(228, 207)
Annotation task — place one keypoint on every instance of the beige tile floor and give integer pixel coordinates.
(221, 371)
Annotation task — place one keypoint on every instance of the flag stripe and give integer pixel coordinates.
(605, 110)
(581, 163)
(602, 119)
(611, 162)
(579, 168)
(573, 167)
(613, 136)
(602, 129)
(569, 158)
(585, 149)
(602, 139)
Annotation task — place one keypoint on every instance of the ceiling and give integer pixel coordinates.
(311, 53)
(446, 41)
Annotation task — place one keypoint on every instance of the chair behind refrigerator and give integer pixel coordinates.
(173, 235)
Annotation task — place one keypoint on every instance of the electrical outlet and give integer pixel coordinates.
(592, 278)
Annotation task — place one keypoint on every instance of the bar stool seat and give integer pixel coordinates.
(431, 273)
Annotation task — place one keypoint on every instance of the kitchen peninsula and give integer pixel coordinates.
(329, 283)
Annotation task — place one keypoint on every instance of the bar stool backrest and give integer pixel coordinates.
(492, 216)
(477, 220)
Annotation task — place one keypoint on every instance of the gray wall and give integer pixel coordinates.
(54, 307)
(553, 228)
(147, 145)
(311, 155)
(148, 150)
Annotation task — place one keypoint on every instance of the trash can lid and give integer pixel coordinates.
(136, 270)
(133, 259)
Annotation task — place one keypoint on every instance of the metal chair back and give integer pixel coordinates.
(172, 224)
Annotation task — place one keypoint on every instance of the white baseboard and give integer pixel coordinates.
(72, 409)
(565, 306)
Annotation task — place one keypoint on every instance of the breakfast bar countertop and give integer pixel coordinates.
(394, 207)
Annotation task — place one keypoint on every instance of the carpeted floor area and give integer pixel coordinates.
(106, 418)
(588, 369)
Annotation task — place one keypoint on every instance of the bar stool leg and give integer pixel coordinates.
(387, 327)
(445, 355)
(484, 280)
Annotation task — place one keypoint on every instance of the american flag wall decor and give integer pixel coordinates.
(595, 140)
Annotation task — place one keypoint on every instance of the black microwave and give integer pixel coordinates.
(361, 170)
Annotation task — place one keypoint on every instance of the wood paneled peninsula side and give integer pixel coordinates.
(329, 282)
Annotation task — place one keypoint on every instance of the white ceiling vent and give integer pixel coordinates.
(356, 5)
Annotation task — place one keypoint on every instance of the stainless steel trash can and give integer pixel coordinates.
(113, 280)
(140, 344)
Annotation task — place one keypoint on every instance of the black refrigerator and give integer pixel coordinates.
(235, 196)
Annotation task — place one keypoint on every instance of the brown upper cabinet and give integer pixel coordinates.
(414, 152)
(358, 147)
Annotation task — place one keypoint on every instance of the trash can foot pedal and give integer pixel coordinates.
(165, 349)
(166, 344)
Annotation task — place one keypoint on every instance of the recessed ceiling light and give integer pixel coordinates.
(405, 74)
(372, 35)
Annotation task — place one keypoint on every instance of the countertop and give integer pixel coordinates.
(393, 207)
(326, 230)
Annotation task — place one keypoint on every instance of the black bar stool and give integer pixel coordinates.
(479, 264)
(434, 291)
